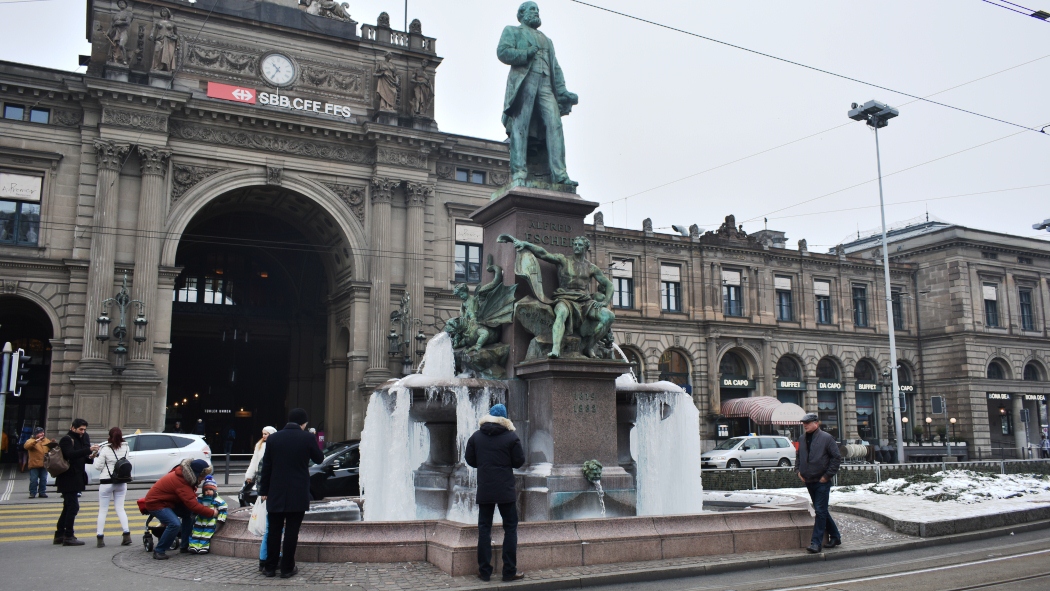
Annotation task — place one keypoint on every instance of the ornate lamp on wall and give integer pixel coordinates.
(122, 301)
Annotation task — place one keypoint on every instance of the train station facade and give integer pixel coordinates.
(272, 188)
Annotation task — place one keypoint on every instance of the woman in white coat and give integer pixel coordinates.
(111, 489)
(252, 475)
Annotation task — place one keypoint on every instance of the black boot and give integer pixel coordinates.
(72, 541)
(125, 539)
(59, 538)
(99, 543)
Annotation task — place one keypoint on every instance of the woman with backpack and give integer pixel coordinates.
(115, 474)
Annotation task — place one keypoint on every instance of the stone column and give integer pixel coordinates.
(416, 196)
(1020, 440)
(154, 163)
(111, 156)
(713, 388)
(379, 276)
(767, 367)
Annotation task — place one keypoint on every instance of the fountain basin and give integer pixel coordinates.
(779, 523)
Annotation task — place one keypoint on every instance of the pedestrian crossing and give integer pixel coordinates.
(29, 523)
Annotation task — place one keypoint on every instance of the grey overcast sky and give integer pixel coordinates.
(658, 106)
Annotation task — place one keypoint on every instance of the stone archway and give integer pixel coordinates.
(27, 325)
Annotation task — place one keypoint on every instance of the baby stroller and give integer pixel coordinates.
(156, 531)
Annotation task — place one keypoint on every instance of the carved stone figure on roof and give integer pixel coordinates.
(383, 22)
(165, 38)
(422, 90)
(118, 34)
(574, 321)
(328, 9)
(415, 27)
(388, 84)
(730, 230)
(647, 225)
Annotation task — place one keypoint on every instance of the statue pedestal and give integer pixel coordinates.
(115, 71)
(550, 219)
(158, 79)
(572, 419)
(387, 118)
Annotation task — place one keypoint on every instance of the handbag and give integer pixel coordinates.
(54, 462)
(257, 522)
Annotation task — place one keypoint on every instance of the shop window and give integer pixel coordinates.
(1024, 296)
(898, 310)
(867, 421)
(16, 112)
(785, 309)
(39, 115)
(731, 302)
(468, 263)
(671, 288)
(828, 412)
(860, 305)
(1006, 421)
(822, 293)
(470, 176)
(991, 305)
(674, 368)
(623, 284)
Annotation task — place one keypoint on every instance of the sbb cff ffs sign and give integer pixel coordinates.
(231, 93)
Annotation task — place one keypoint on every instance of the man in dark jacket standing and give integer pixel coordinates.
(495, 450)
(285, 486)
(77, 449)
(817, 461)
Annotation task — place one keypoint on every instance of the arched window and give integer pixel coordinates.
(788, 369)
(996, 371)
(1032, 373)
(636, 364)
(865, 371)
(674, 367)
(827, 369)
(732, 365)
(903, 375)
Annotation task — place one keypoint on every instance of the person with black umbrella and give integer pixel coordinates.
(284, 484)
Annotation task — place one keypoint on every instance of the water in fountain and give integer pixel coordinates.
(601, 495)
(667, 452)
(439, 360)
(391, 448)
(462, 504)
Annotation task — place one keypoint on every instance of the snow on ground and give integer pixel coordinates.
(950, 494)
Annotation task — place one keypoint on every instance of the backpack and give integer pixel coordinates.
(121, 470)
(54, 462)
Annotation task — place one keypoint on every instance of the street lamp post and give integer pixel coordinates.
(929, 428)
(904, 422)
(400, 344)
(122, 301)
(952, 421)
(877, 115)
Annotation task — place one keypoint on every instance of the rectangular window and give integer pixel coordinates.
(1024, 260)
(16, 112)
(785, 308)
(828, 412)
(468, 263)
(991, 305)
(822, 293)
(992, 256)
(19, 223)
(187, 292)
(860, 305)
(731, 303)
(39, 115)
(867, 421)
(465, 175)
(218, 291)
(898, 310)
(671, 288)
(1027, 320)
(623, 292)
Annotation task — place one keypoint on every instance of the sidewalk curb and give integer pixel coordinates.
(950, 526)
(647, 575)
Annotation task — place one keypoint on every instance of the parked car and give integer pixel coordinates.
(337, 474)
(750, 452)
(152, 455)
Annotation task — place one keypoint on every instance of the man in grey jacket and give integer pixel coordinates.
(817, 461)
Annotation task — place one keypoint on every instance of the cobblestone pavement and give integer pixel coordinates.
(857, 533)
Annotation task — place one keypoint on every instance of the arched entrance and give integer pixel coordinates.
(251, 314)
(867, 388)
(26, 326)
(829, 396)
(734, 379)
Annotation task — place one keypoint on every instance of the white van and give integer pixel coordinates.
(752, 451)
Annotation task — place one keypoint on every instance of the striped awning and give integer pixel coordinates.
(750, 407)
(787, 414)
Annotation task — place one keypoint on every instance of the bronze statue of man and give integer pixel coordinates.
(576, 310)
(535, 89)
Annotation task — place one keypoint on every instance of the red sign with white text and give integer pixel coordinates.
(231, 93)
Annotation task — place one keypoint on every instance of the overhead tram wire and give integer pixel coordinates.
(986, 76)
(1040, 15)
(808, 67)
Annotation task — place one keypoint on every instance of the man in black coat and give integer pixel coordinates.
(495, 450)
(77, 449)
(285, 486)
(817, 461)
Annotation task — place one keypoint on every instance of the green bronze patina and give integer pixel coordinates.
(536, 99)
(476, 332)
(574, 321)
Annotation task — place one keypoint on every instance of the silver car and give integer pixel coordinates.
(751, 451)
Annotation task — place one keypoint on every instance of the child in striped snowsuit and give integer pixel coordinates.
(205, 527)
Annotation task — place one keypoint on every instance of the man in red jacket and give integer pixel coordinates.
(171, 497)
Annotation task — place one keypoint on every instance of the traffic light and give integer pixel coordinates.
(21, 376)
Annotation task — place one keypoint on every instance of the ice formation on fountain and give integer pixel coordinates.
(392, 446)
(462, 505)
(439, 360)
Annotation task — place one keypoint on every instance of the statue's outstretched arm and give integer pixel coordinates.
(537, 250)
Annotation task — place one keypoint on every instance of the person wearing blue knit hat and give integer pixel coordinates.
(495, 450)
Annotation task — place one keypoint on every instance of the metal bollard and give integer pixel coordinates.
(226, 478)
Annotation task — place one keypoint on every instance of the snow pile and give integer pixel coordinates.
(959, 486)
